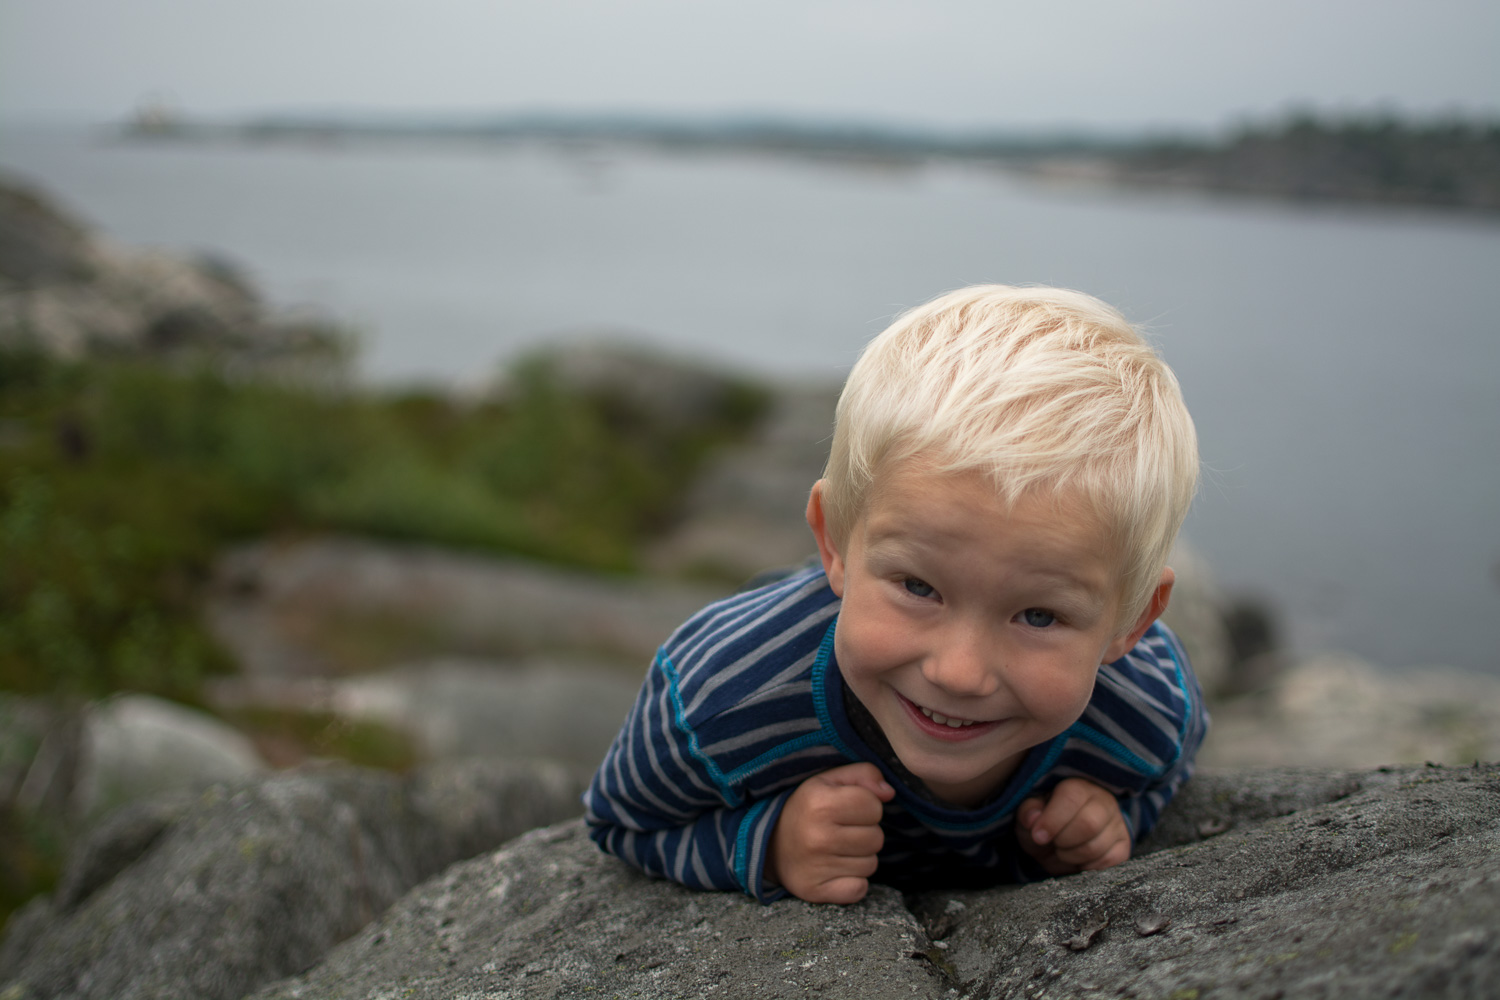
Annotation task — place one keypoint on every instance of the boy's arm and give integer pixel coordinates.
(660, 803)
(721, 847)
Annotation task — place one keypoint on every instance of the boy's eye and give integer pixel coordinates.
(918, 588)
(1038, 618)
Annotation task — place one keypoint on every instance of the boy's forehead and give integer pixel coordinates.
(917, 510)
(922, 479)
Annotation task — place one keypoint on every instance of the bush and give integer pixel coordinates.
(120, 480)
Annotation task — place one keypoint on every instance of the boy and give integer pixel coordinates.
(972, 687)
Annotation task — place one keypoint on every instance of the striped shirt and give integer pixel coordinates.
(745, 701)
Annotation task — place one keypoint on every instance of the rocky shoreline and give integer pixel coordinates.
(1258, 884)
(205, 872)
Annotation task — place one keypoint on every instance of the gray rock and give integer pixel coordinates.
(70, 293)
(566, 711)
(39, 244)
(550, 916)
(1335, 710)
(1391, 891)
(211, 896)
(745, 512)
(1367, 885)
(268, 593)
(136, 746)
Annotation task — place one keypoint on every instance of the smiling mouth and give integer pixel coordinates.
(943, 727)
(944, 720)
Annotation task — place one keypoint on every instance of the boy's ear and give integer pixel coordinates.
(817, 520)
(1160, 597)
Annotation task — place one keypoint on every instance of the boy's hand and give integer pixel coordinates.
(826, 838)
(1079, 828)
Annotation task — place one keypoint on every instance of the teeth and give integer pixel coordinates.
(943, 720)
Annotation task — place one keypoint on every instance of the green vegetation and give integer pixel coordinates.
(32, 849)
(120, 480)
(285, 737)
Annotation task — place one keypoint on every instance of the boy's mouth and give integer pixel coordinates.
(942, 726)
(944, 720)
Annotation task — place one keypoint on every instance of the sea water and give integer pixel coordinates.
(1342, 363)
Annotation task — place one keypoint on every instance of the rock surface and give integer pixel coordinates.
(70, 292)
(136, 746)
(210, 896)
(746, 512)
(1335, 710)
(568, 711)
(1289, 884)
(273, 599)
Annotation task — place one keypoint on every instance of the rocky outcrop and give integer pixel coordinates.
(210, 896)
(69, 764)
(1339, 711)
(564, 710)
(69, 292)
(745, 512)
(1256, 884)
(1282, 884)
(273, 601)
(136, 746)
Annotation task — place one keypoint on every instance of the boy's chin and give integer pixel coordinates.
(964, 788)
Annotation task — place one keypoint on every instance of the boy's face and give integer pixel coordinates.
(972, 632)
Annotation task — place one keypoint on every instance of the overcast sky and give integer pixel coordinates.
(1092, 63)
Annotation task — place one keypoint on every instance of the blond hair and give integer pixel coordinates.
(1042, 390)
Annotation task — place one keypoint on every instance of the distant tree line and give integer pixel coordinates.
(1374, 159)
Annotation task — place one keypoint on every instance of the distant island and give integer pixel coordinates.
(1451, 163)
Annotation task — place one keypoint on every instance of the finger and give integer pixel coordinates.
(844, 889)
(1070, 796)
(1112, 844)
(862, 775)
(1088, 850)
(1116, 855)
(1103, 853)
(850, 805)
(1094, 819)
(834, 839)
(1029, 812)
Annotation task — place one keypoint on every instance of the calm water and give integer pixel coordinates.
(1343, 366)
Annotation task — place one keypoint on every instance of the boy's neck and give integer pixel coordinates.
(869, 731)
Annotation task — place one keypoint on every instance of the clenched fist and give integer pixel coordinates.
(1079, 827)
(824, 845)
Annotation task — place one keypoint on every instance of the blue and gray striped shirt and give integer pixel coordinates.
(745, 701)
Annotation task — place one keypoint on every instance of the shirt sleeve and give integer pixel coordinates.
(1142, 809)
(661, 804)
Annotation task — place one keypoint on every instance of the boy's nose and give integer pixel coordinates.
(965, 666)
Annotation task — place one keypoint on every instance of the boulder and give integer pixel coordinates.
(1339, 711)
(270, 597)
(1260, 885)
(565, 711)
(745, 512)
(212, 895)
(1196, 614)
(1256, 884)
(136, 746)
(68, 292)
